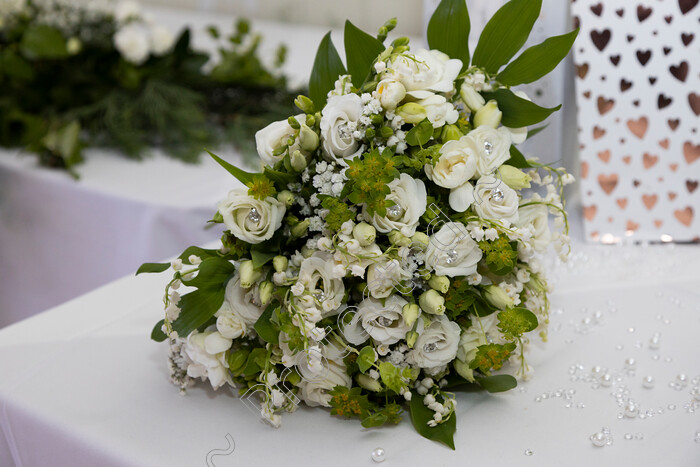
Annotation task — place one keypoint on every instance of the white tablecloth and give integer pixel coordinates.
(82, 385)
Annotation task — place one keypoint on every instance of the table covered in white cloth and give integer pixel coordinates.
(82, 384)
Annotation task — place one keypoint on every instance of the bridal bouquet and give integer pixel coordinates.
(73, 74)
(387, 253)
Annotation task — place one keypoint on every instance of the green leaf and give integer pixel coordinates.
(518, 112)
(535, 131)
(505, 33)
(14, 66)
(448, 30)
(196, 308)
(327, 68)
(157, 334)
(260, 258)
(213, 273)
(197, 251)
(517, 159)
(514, 322)
(265, 328)
(361, 50)
(538, 60)
(42, 41)
(376, 419)
(497, 383)
(366, 358)
(242, 176)
(281, 179)
(421, 415)
(420, 133)
(391, 376)
(256, 361)
(152, 267)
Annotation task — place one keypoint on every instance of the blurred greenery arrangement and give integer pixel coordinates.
(75, 76)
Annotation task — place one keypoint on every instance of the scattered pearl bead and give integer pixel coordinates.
(648, 382)
(630, 363)
(606, 380)
(529, 452)
(378, 455)
(631, 410)
(628, 435)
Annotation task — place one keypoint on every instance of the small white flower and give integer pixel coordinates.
(176, 264)
(132, 42)
(298, 289)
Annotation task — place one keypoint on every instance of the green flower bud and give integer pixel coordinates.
(386, 132)
(265, 290)
(399, 239)
(471, 97)
(420, 240)
(439, 283)
(300, 229)
(376, 119)
(514, 177)
(285, 197)
(306, 252)
(411, 112)
(368, 383)
(248, 274)
(310, 120)
(411, 337)
(450, 132)
(280, 263)
(410, 313)
(298, 161)
(237, 360)
(294, 378)
(488, 115)
(400, 41)
(370, 133)
(308, 139)
(304, 104)
(364, 233)
(294, 123)
(432, 302)
(278, 151)
(497, 297)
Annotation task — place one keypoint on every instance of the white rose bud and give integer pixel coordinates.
(439, 283)
(432, 302)
(399, 239)
(298, 161)
(412, 112)
(497, 297)
(265, 291)
(488, 115)
(391, 93)
(420, 239)
(280, 263)
(411, 338)
(471, 97)
(410, 313)
(514, 177)
(364, 233)
(248, 274)
(285, 197)
(308, 138)
(368, 383)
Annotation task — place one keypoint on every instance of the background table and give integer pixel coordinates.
(82, 384)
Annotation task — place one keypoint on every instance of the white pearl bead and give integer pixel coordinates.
(599, 439)
(648, 382)
(378, 455)
(631, 410)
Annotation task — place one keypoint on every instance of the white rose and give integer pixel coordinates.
(493, 148)
(452, 252)
(471, 339)
(249, 219)
(132, 42)
(161, 39)
(240, 310)
(439, 111)
(383, 322)
(536, 217)
(205, 354)
(385, 277)
(425, 71)
(495, 200)
(318, 278)
(127, 9)
(437, 345)
(228, 323)
(456, 165)
(391, 93)
(338, 120)
(410, 197)
(315, 392)
(273, 136)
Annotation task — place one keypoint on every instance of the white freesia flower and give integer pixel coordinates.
(455, 167)
(471, 97)
(439, 111)
(437, 345)
(425, 72)
(317, 276)
(391, 93)
(493, 148)
(536, 217)
(161, 39)
(338, 121)
(495, 200)
(205, 354)
(383, 278)
(314, 392)
(249, 219)
(383, 322)
(240, 310)
(452, 252)
(133, 43)
(273, 136)
(410, 198)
